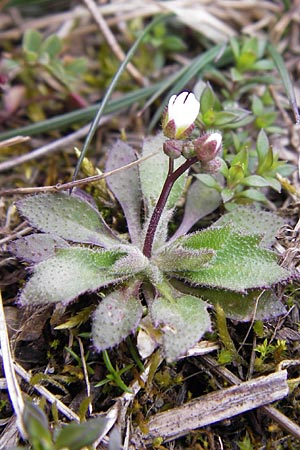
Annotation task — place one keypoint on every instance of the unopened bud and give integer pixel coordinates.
(173, 148)
(212, 166)
(188, 150)
(207, 147)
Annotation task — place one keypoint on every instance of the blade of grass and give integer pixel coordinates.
(84, 114)
(279, 63)
(110, 90)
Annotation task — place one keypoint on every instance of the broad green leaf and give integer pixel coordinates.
(36, 247)
(262, 146)
(32, 41)
(251, 220)
(52, 46)
(240, 262)
(245, 307)
(71, 272)
(126, 187)
(118, 315)
(200, 201)
(77, 436)
(153, 173)
(207, 99)
(208, 180)
(183, 322)
(67, 216)
(252, 194)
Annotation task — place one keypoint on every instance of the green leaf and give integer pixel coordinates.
(258, 181)
(37, 426)
(252, 194)
(67, 216)
(262, 146)
(251, 220)
(175, 258)
(240, 263)
(51, 46)
(118, 315)
(182, 322)
(201, 200)
(126, 187)
(76, 436)
(207, 100)
(71, 272)
(209, 181)
(223, 118)
(245, 307)
(32, 42)
(153, 173)
(257, 105)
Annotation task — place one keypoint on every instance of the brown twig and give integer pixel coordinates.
(76, 183)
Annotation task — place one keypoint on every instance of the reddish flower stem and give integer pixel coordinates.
(161, 203)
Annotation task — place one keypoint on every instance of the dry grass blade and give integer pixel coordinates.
(117, 50)
(13, 387)
(51, 398)
(216, 406)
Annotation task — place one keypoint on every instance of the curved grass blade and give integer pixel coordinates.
(84, 114)
(110, 91)
(279, 63)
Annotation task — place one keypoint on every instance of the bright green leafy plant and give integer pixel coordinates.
(151, 281)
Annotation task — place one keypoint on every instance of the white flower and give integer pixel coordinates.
(181, 114)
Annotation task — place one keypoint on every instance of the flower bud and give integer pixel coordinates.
(182, 111)
(207, 147)
(212, 166)
(173, 148)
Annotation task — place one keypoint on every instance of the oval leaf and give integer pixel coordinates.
(118, 315)
(67, 216)
(126, 187)
(71, 272)
(182, 322)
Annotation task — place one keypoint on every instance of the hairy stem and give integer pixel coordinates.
(161, 203)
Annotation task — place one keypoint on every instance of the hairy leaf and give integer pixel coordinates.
(153, 173)
(36, 247)
(126, 187)
(240, 262)
(69, 217)
(71, 272)
(118, 315)
(200, 201)
(256, 304)
(175, 258)
(250, 220)
(182, 322)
